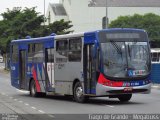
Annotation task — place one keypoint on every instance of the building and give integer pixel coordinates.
(56, 12)
(85, 18)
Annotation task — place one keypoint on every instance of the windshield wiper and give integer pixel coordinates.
(129, 51)
(119, 51)
(117, 47)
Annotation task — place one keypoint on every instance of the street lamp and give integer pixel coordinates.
(44, 11)
(106, 15)
(93, 3)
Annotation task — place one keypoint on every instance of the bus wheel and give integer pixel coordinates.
(78, 93)
(125, 97)
(33, 91)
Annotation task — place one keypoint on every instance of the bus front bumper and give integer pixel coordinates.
(108, 90)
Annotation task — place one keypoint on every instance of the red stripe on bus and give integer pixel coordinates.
(35, 79)
(104, 81)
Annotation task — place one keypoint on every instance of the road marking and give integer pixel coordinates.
(26, 104)
(20, 101)
(41, 111)
(11, 97)
(109, 106)
(51, 116)
(155, 86)
(3, 93)
(33, 107)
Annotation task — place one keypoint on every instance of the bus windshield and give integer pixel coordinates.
(125, 59)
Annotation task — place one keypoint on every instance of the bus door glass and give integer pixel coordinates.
(89, 68)
(22, 69)
(50, 67)
(14, 66)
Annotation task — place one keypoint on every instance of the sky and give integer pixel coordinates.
(112, 12)
(25, 3)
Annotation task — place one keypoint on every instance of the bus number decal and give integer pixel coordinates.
(60, 66)
(50, 67)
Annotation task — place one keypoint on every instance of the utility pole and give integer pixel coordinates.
(93, 3)
(121, 3)
(106, 15)
(44, 11)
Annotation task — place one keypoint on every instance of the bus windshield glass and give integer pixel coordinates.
(125, 58)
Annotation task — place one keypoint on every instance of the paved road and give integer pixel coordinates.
(19, 102)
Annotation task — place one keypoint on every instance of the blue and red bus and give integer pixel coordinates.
(111, 62)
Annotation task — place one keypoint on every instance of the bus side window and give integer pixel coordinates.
(50, 55)
(14, 53)
(75, 48)
(62, 50)
(30, 52)
(38, 52)
(62, 45)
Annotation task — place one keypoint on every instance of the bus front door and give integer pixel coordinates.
(89, 68)
(49, 69)
(22, 69)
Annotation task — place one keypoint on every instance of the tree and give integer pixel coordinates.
(60, 27)
(150, 22)
(18, 24)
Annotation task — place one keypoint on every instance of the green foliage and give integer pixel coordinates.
(150, 22)
(18, 23)
(60, 27)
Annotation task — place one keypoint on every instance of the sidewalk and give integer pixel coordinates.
(155, 86)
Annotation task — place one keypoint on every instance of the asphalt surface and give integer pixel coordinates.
(13, 101)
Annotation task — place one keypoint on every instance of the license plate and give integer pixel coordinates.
(128, 89)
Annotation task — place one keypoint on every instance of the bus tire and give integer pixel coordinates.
(33, 91)
(78, 93)
(125, 97)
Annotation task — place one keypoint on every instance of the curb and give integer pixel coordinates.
(156, 86)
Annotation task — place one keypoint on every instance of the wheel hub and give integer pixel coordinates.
(79, 92)
(33, 89)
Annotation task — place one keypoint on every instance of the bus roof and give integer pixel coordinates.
(69, 35)
(155, 50)
(123, 29)
(41, 39)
